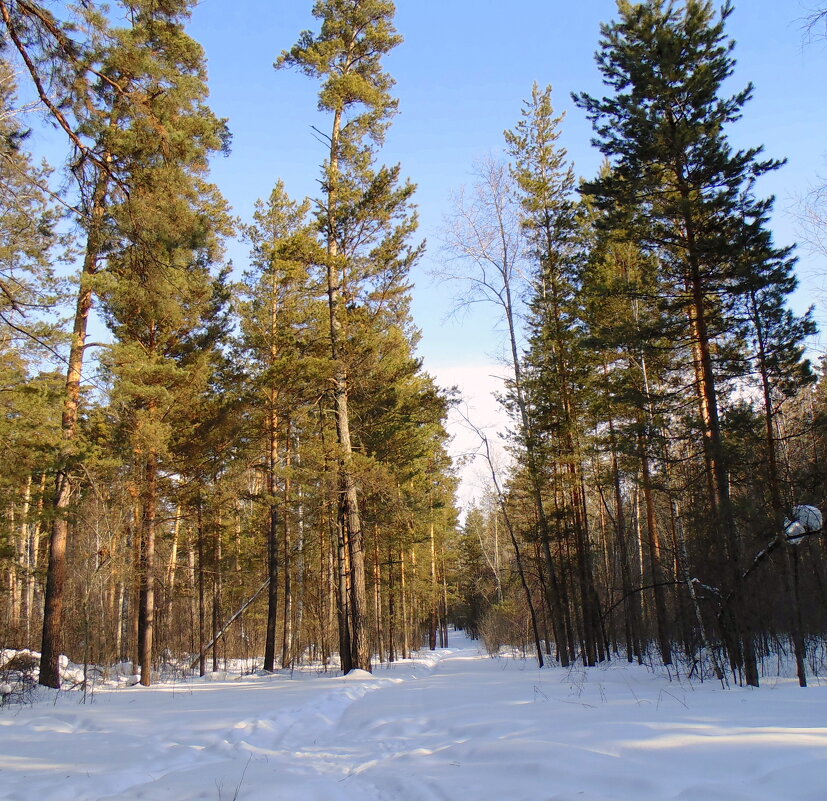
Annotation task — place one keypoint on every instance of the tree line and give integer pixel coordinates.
(667, 425)
(256, 465)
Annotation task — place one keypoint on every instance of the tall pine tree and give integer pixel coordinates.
(688, 196)
(365, 223)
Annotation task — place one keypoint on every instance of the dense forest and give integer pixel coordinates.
(253, 462)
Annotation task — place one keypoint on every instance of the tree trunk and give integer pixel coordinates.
(56, 571)
(34, 560)
(433, 618)
(202, 603)
(149, 506)
(287, 627)
(299, 640)
(630, 604)
(406, 643)
(172, 565)
(357, 601)
(134, 542)
(653, 541)
(23, 559)
(391, 608)
(444, 638)
(216, 591)
(377, 598)
(343, 593)
(272, 542)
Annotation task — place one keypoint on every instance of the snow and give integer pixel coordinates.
(806, 520)
(452, 724)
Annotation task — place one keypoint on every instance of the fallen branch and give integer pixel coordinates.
(227, 625)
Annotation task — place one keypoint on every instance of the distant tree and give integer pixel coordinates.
(485, 240)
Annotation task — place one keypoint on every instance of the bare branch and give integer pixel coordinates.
(483, 241)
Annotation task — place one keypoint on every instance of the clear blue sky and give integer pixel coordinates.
(462, 73)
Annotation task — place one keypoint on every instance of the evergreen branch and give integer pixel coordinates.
(41, 91)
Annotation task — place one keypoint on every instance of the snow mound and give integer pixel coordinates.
(359, 674)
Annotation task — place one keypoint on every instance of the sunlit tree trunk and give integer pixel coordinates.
(56, 571)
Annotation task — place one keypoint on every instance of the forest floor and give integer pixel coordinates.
(452, 724)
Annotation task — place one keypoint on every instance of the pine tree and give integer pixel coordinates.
(280, 317)
(158, 288)
(29, 244)
(124, 106)
(545, 184)
(365, 223)
(24, 197)
(689, 197)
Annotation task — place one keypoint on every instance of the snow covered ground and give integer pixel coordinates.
(454, 724)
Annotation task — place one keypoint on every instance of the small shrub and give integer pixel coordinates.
(18, 677)
(501, 625)
(23, 662)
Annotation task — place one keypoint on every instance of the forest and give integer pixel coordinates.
(211, 461)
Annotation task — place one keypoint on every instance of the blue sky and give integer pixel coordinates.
(462, 73)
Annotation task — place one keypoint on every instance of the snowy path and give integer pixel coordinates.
(449, 725)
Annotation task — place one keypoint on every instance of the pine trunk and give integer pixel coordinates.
(357, 600)
(287, 627)
(217, 579)
(630, 603)
(272, 542)
(433, 617)
(149, 506)
(202, 601)
(653, 541)
(56, 571)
